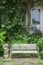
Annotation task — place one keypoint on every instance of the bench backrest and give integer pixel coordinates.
(24, 47)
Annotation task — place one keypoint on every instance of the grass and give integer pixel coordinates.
(22, 63)
(1, 63)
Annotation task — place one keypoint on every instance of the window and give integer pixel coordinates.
(35, 19)
(35, 16)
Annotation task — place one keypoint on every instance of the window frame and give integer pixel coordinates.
(31, 14)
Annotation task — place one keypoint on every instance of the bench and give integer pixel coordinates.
(24, 48)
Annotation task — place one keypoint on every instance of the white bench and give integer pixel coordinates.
(24, 48)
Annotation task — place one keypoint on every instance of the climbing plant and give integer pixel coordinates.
(12, 18)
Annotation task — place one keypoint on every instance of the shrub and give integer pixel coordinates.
(40, 43)
(33, 38)
(19, 38)
(24, 38)
(41, 54)
(2, 41)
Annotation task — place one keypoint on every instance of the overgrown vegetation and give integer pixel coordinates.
(12, 20)
(2, 41)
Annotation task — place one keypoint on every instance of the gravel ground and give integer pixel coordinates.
(7, 63)
(25, 61)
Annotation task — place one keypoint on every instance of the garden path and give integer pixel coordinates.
(24, 61)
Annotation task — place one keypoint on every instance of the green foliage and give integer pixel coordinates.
(2, 41)
(41, 54)
(40, 43)
(20, 39)
(12, 18)
(2, 37)
(33, 38)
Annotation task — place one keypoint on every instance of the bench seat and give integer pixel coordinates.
(13, 52)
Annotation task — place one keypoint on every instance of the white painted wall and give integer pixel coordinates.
(40, 26)
(41, 20)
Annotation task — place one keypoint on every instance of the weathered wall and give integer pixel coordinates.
(41, 20)
(28, 16)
